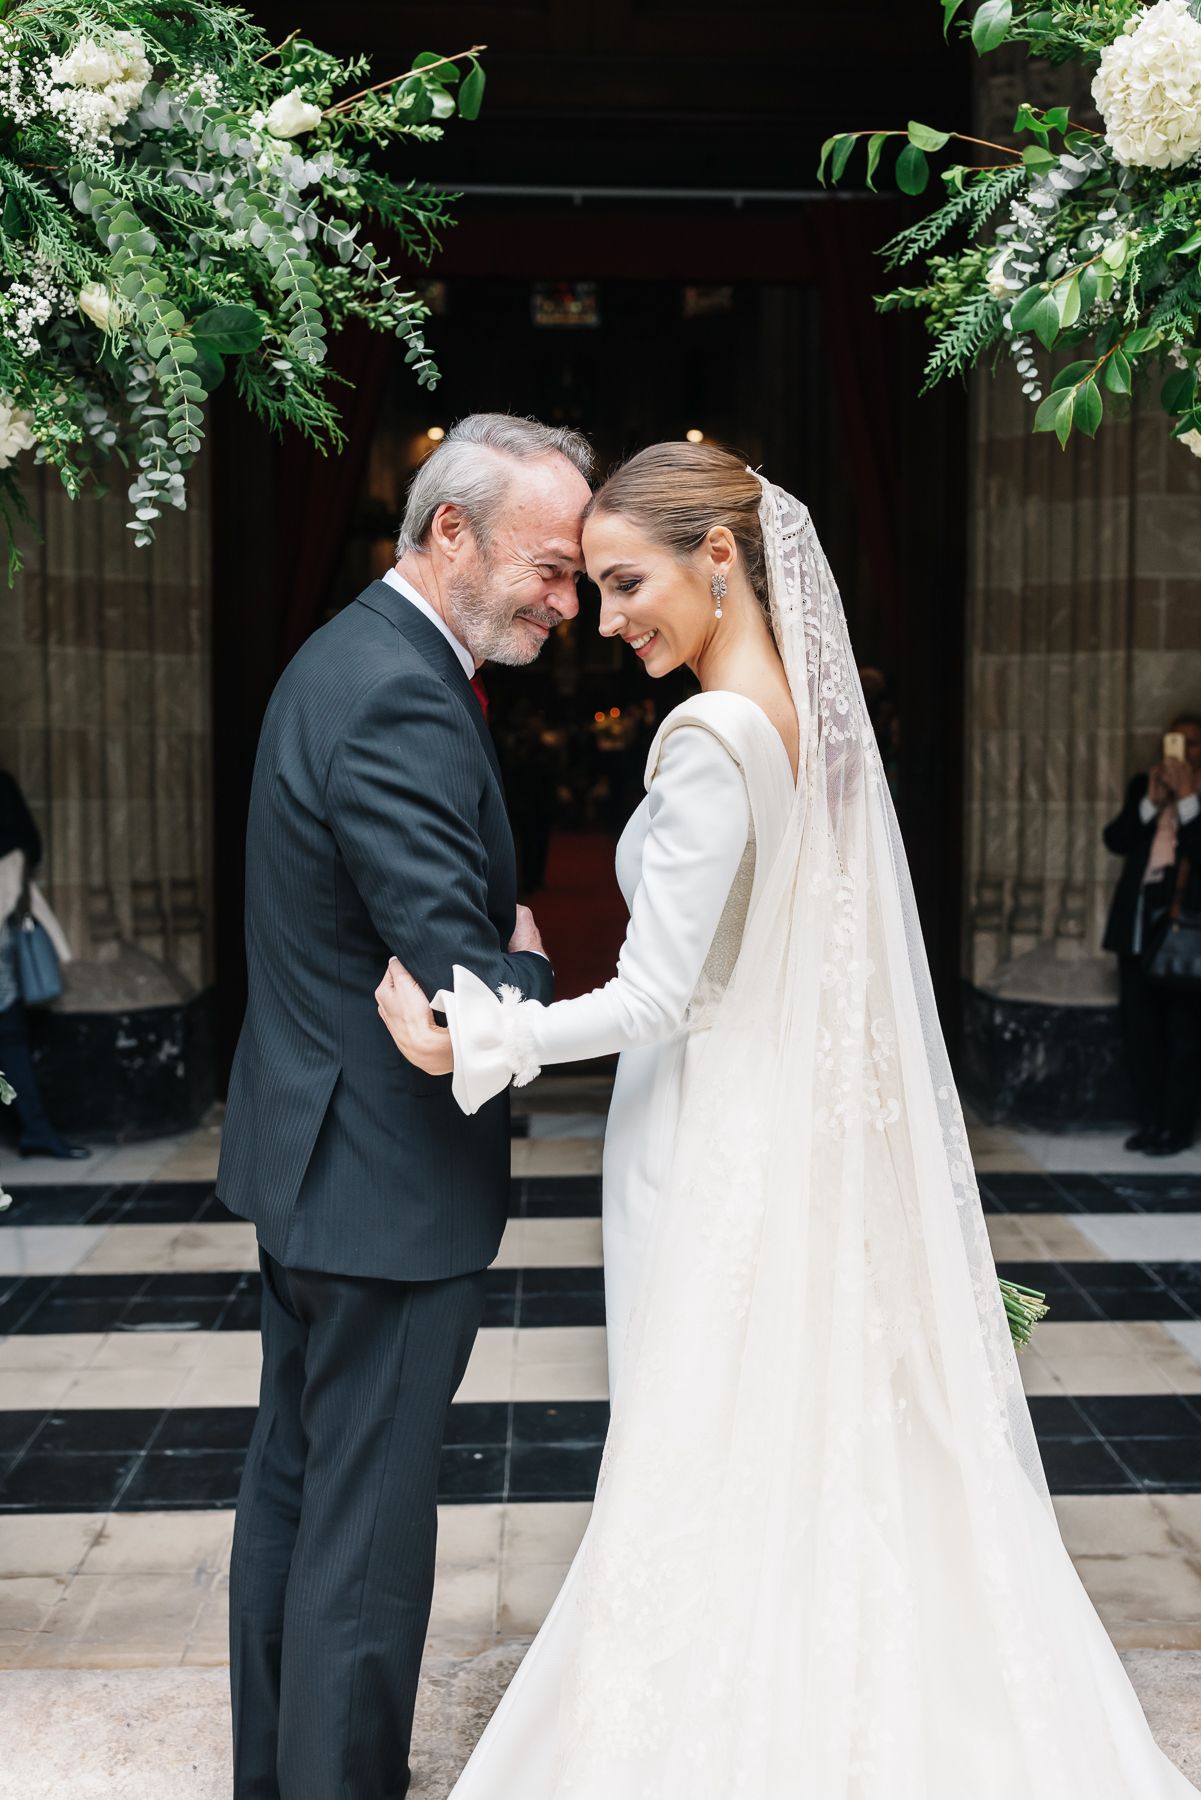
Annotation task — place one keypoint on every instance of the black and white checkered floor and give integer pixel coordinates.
(129, 1371)
(130, 1312)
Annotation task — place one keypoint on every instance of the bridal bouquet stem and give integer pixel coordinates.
(1024, 1307)
(182, 200)
(1078, 241)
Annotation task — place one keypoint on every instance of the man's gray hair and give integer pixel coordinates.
(468, 470)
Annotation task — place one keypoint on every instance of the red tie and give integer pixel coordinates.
(480, 692)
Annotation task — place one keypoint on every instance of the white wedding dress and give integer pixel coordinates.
(822, 1563)
(686, 864)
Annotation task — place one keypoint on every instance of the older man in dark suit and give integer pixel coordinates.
(377, 828)
(1158, 832)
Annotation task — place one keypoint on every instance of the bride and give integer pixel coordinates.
(822, 1563)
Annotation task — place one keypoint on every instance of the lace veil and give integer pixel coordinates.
(823, 1425)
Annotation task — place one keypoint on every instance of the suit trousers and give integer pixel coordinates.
(1162, 1031)
(334, 1541)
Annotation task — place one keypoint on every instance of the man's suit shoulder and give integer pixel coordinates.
(351, 662)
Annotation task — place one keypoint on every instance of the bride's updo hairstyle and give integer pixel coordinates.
(678, 492)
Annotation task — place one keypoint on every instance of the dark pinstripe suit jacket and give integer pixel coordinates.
(377, 825)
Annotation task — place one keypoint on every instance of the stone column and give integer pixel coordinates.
(107, 648)
(1084, 635)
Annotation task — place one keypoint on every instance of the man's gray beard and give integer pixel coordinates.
(484, 623)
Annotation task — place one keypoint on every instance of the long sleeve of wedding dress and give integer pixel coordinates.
(696, 836)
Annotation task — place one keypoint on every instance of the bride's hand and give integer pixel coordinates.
(407, 1014)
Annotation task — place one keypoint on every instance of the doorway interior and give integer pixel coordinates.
(751, 326)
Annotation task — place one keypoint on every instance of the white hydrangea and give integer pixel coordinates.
(291, 114)
(117, 65)
(16, 431)
(1148, 88)
(1193, 441)
(97, 86)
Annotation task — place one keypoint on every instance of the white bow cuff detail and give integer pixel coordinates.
(492, 1038)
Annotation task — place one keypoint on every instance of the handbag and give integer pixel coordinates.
(39, 976)
(1172, 957)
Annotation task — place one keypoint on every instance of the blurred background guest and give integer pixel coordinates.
(533, 756)
(21, 841)
(1158, 832)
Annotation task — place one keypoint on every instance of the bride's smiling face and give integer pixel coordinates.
(659, 604)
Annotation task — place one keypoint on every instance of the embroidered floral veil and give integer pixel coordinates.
(822, 1531)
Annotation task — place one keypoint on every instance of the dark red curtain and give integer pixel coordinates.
(844, 239)
(316, 495)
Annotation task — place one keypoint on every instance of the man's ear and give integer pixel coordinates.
(450, 529)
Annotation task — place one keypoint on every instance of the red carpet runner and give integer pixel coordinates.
(580, 911)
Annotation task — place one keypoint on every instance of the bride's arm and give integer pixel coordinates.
(699, 820)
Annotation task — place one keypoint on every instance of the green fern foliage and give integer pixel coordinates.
(182, 199)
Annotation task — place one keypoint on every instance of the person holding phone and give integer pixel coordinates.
(1158, 832)
(20, 836)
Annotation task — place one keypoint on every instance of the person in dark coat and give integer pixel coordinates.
(37, 1135)
(1158, 832)
(377, 827)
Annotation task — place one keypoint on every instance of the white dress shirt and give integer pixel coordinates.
(1186, 809)
(422, 604)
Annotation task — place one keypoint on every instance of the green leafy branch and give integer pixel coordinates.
(1054, 241)
(418, 89)
(912, 173)
(1054, 29)
(1075, 397)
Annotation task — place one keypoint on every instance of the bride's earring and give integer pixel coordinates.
(718, 585)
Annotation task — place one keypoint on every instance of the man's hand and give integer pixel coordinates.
(406, 1012)
(1178, 778)
(1157, 784)
(526, 935)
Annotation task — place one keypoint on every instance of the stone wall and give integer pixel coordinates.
(107, 727)
(1084, 637)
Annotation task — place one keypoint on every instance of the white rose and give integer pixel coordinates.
(1148, 88)
(16, 431)
(291, 114)
(1192, 439)
(98, 304)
